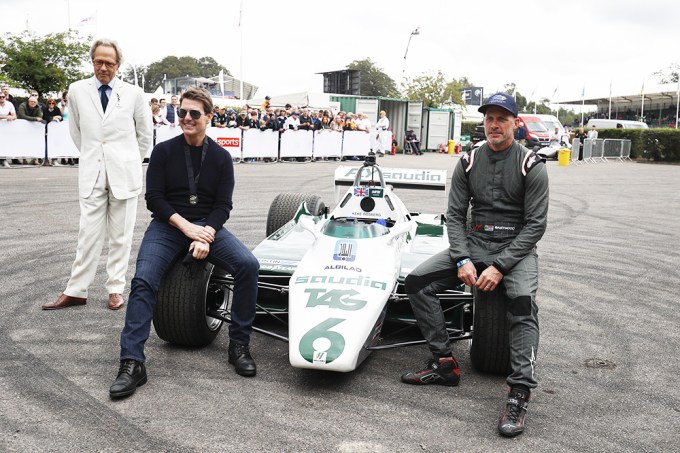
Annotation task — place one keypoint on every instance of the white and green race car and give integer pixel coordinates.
(332, 280)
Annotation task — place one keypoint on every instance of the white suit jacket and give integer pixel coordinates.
(120, 137)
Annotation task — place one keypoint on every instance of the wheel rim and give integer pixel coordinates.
(217, 297)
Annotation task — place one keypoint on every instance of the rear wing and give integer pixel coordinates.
(375, 176)
(409, 178)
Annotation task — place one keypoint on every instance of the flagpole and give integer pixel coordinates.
(240, 28)
(610, 101)
(583, 101)
(68, 13)
(642, 109)
(677, 105)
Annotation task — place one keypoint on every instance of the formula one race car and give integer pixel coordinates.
(333, 279)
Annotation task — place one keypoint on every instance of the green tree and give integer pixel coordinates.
(520, 100)
(669, 75)
(46, 64)
(374, 82)
(435, 91)
(171, 67)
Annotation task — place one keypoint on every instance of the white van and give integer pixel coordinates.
(616, 124)
(551, 122)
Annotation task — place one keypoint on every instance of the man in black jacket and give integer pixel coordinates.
(190, 181)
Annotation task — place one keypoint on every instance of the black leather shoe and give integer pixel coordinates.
(131, 374)
(239, 356)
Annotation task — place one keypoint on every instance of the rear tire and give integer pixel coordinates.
(285, 205)
(180, 315)
(490, 349)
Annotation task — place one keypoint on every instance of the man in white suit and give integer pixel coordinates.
(111, 125)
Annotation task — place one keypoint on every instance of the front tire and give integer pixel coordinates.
(490, 349)
(285, 206)
(180, 315)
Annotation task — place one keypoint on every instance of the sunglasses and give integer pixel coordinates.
(195, 114)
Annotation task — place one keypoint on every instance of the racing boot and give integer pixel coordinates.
(442, 371)
(511, 423)
(239, 356)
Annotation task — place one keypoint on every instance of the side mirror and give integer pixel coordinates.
(308, 224)
(398, 231)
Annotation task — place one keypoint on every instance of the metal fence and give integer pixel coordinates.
(600, 150)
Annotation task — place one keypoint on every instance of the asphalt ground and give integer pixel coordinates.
(608, 363)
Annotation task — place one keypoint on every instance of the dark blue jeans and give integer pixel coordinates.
(161, 246)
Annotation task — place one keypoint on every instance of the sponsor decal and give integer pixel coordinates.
(492, 228)
(360, 192)
(277, 265)
(229, 142)
(322, 345)
(342, 267)
(335, 298)
(320, 357)
(277, 261)
(375, 193)
(403, 175)
(338, 280)
(345, 251)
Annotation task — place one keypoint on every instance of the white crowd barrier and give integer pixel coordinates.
(59, 142)
(29, 139)
(262, 144)
(227, 138)
(356, 143)
(296, 144)
(327, 143)
(22, 138)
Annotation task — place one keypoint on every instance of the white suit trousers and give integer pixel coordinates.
(100, 215)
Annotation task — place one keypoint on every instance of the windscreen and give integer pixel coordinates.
(354, 228)
(535, 126)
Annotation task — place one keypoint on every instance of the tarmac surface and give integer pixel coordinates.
(608, 363)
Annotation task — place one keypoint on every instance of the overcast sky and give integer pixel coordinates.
(539, 45)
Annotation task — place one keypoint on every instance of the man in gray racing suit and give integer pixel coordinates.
(506, 186)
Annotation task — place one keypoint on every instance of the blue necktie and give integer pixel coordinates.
(103, 97)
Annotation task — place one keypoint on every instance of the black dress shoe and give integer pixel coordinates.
(239, 356)
(131, 374)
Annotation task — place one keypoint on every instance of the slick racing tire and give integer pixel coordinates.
(490, 349)
(285, 205)
(186, 294)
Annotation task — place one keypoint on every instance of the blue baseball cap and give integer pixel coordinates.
(501, 100)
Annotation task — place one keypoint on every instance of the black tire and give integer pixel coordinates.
(285, 205)
(180, 315)
(490, 349)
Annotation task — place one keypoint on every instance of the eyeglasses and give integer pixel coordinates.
(2, 97)
(195, 114)
(100, 63)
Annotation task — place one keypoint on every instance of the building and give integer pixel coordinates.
(657, 105)
(232, 86)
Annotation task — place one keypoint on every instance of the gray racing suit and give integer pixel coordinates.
(507, 193)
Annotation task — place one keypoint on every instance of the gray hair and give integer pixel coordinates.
(107, 43)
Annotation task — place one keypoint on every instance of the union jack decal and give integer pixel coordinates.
(360, 192)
